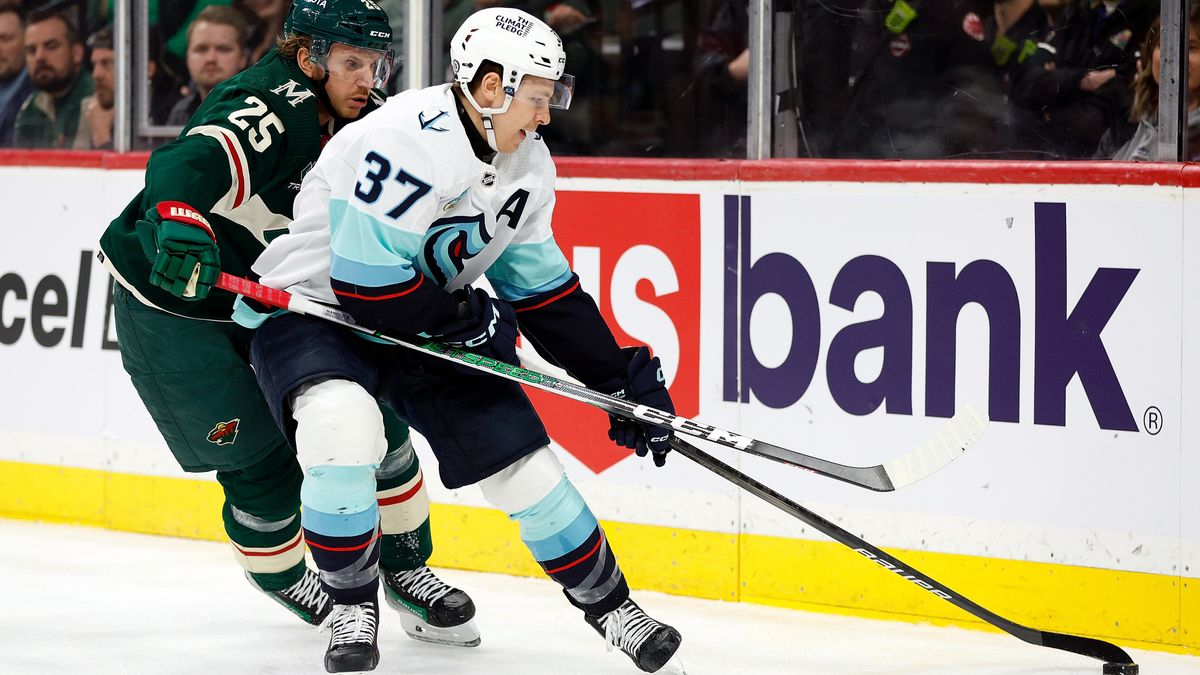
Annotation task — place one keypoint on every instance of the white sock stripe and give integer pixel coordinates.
(401, 489)
(239, 170)
(407, 514)
(270, 560)
(401, 518)
(270, 550)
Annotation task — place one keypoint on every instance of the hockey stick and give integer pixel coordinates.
(951, 441)
(1117, 661)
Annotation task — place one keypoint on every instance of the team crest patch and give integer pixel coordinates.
(224, 433)
(428, 123)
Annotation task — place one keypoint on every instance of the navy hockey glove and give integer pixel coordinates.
(483, 325)
(183, 249)
(644, 384)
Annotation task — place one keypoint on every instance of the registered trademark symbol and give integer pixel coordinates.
(1152, 420)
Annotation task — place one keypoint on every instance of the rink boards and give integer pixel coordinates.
(842, 309)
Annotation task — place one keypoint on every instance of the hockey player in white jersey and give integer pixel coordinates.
(401, 213)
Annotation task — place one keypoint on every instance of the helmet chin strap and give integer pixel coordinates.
(323, 97)
(486, 114)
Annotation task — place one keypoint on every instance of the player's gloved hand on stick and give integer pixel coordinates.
(643, 384)
(183, 248)
(484, 325)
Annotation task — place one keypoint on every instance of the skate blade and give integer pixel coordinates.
(462, 635)
(673, 667)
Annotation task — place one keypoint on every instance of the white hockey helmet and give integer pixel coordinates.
(521, 45)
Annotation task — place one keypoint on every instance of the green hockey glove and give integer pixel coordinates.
(183, 248)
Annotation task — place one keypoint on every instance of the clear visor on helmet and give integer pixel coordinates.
(542, 93)
(354, 64)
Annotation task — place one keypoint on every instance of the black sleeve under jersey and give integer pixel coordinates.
(565, 325)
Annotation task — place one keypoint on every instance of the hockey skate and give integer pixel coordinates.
(650, 643)
(431, 610)
(305, 598)
(353, 640)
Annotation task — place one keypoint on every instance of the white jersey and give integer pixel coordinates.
(401, 194)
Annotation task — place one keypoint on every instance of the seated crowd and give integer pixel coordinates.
(888, 79)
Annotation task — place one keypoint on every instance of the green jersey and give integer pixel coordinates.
(48, 122)
(239, 162)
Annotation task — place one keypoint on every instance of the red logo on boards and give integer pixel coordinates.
(639, 257)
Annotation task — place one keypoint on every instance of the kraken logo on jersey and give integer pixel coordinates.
(449, 243)
(428, 123)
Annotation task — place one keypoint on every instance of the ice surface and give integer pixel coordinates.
(89, 601)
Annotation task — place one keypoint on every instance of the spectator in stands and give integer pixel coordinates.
(267, 17)
(217, 49)
(174, 20)
(96, 130)
(893, 80)
(722, 70)
(1013, 29)
(50, 117)
(1078, 85)
(165, 85)
(15, 85)
(1143, 145)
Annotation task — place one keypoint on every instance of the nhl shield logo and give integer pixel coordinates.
(225, 433)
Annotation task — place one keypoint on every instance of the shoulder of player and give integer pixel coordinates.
(418, 126)
(283, 90)
(379, 138)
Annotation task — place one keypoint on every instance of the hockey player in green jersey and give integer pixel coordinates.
(213, 198)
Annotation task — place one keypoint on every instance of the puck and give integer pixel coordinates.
(1120, 669)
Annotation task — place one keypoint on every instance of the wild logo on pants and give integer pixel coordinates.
(225, 433)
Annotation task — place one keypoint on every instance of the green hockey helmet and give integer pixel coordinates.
(361, 24)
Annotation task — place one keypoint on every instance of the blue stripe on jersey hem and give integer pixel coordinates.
(525, 270)
(355, 235)
(395, 273)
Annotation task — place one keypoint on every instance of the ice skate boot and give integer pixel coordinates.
(431, 610)
(353, 640)
(305, 598)
(650, 643)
